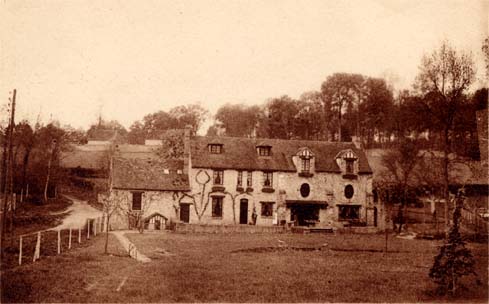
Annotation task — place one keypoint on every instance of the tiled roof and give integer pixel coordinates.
(148, 174)
(240, 154)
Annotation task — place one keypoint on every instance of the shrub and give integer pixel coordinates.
(454, 260)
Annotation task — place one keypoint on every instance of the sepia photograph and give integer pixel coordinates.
(244, 151)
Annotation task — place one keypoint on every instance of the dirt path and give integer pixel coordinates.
(129, 246)
(78, 213)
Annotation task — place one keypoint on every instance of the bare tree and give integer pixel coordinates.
(443, 78)
(400, 164)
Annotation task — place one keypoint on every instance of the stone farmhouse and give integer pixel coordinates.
(248, 181)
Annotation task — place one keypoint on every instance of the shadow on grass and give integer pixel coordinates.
(323, 248)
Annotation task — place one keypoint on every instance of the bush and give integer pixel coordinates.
(454, 260)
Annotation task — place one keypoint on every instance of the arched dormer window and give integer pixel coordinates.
(305, 159)
(346, 160)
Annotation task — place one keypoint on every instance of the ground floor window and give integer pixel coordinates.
(348, 212)
(217, 206)
(266, 209)
(136, 200)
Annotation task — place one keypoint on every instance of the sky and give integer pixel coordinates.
(74, 60)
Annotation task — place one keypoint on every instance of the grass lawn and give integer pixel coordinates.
(241, 268)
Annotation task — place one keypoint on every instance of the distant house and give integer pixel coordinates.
(226, 180)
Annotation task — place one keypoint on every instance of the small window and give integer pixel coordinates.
(267, 209)
(305, 190)
(349, 166)
(249, 179)
(306, 165)
(166, 171)
(267, 179)
(218, 177)
(215, 148)
(349, 191)
(179, 171)
(136, 200)
(240, 179)
(217, 206)
(348, 213)
(264, 151)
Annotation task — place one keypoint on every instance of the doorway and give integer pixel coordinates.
(304, 214)
(243, 211)
(185, 213)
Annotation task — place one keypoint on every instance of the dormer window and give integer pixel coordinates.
(349, 166)
(264, 150)
(305, 165)
(304, 162)
(346, 159)
(215, 148)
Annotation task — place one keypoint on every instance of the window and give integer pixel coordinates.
(179, 171)
(136, 200)
(218, 177)
(349, 166)
(264, 150)
(249, 179)
(305, 190)
(267, 179)
(217, 206)
(306, 165)
(215, 148)
(349, 191)
(267, 209)
(346, 213)
(240, 178)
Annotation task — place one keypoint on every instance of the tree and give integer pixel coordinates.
(339, 91)
(443, 78)
(237, 120)
(52, 141)
(485, 50)
(278, 120)
(400, 164)
(189, 115)
(374, 113)
(103, 126)
(310, 120)
(454, 260)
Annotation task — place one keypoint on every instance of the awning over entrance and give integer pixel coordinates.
(318, 203)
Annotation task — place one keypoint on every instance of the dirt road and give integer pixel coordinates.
(78, 213)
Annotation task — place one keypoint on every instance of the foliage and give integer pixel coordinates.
(237, 120)
(154, 125)
(454, 260)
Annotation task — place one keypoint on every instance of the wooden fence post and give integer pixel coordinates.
(59, 241)
(37, 251)
(21, 196)
(88, 229)
(79, 235)
(20, 251)
(94, 226)
(69, 240)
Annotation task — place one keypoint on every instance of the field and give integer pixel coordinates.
(241, 268)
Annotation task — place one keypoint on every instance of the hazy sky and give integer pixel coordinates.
(70, 59)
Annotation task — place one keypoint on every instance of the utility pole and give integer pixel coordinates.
(3, 226)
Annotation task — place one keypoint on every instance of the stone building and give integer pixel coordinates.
(227, 180)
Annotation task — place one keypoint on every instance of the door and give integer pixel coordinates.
(243, 211)
(185, 213)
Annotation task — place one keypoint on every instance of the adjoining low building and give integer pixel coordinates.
(226, 180)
